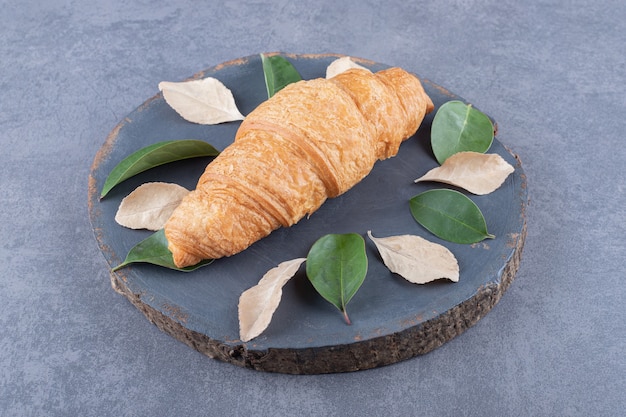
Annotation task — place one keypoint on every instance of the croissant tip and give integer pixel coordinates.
(181, 258)
(184, 259)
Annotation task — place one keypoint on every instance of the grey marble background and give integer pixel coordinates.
(552, 73)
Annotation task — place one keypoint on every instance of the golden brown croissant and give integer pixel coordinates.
(312, 140)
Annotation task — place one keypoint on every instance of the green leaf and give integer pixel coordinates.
(154, 155)
(153, 250)
(278, 73)
(459, 127)
(336, 266)
(450, 215)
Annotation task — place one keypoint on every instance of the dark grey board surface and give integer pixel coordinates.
(392, 320)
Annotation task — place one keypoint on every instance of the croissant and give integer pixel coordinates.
(311, 141)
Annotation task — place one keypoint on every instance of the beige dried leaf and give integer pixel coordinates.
(258, 304)
(340, 65)
(206, 101)
(475, 172)
(416, 259)
(150, 205)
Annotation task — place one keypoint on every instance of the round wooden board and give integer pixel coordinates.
(392, 319)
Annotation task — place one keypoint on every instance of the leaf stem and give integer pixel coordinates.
(120, 266)
(346, 318)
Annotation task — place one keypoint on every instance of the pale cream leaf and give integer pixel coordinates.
(475, 172)
(258, 304)
(416, 259)
(340, 65)
(205, 101)
(149, 205)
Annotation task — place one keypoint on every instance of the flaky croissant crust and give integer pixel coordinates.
(312, 140)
